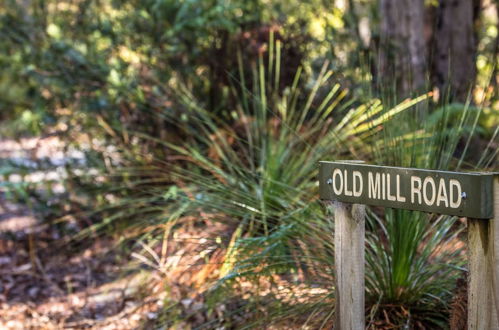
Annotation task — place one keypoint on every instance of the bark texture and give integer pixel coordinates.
(454, 69)
(402, 51)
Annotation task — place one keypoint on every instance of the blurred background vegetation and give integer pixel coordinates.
(208, 117)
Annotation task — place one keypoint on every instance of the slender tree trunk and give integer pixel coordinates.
(402, 50)
(454, 69)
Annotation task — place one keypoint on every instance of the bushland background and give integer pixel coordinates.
(158, 158)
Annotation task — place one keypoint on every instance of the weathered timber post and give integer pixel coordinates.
(349, 238)
(483, 264)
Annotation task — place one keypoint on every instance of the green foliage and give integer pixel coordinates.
(66, 62)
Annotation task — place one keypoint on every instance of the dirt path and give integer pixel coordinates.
(46, 284)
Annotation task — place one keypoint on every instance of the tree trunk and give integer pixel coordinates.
(454, 68)
(402, 51)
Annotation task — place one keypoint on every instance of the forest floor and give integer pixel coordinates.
(48, 284)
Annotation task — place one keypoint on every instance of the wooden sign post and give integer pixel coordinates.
(352, 185)
(349, 226)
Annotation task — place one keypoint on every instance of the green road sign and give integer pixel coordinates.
(444, 192)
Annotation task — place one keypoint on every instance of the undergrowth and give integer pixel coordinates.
(254, 171)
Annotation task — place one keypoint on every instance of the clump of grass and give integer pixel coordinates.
(254, 171)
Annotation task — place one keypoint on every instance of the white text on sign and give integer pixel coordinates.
(384, 186)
